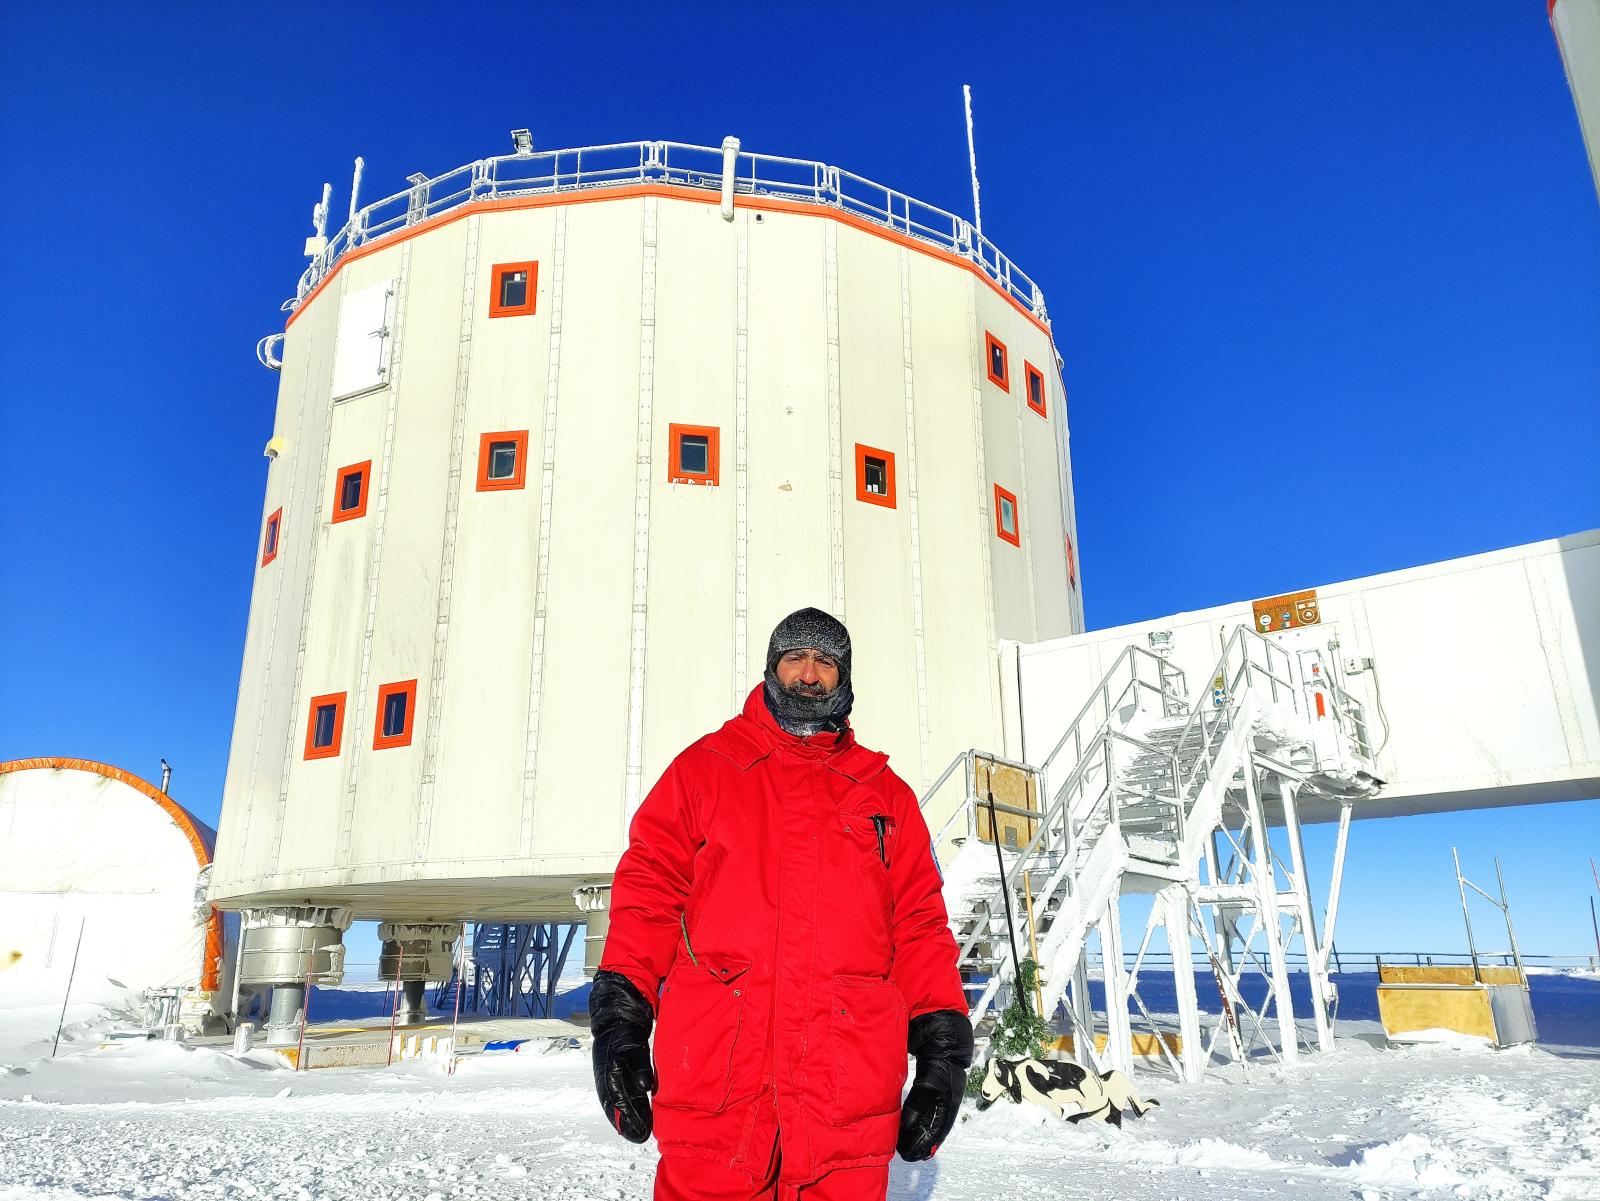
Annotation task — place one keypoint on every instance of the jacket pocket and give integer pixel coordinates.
(697, 1032)
(868, 1041)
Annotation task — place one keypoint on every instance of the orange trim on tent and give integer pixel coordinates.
(211, 967)
(767, 204)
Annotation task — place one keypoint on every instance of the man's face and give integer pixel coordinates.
(807, 672)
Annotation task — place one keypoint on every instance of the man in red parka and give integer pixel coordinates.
(777, 919)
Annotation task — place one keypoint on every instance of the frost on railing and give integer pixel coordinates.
(678, 164)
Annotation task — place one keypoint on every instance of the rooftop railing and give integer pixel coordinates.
(678, 164)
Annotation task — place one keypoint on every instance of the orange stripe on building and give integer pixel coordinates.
(769, 204)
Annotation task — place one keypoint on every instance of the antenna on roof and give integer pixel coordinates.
(972, 162)
(166, 775)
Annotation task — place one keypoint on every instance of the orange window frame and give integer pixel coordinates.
(675, 472)
(518, 478)
(527, 307)
(1072, 565)
(1030, 374)
(382, 741)
(990, 345)
(863, 453)
(360, 510)
(1014, 536)
(272, 537)
(331, 751)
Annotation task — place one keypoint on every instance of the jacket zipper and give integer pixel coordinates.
(683, 924)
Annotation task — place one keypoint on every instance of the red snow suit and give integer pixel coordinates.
(793, 952)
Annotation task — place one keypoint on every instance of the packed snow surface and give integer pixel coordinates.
(158, 1120)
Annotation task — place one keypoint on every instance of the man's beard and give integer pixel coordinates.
(806, 709)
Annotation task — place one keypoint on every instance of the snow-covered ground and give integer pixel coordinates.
(162, 1121)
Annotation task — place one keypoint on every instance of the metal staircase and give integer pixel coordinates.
(1138, 795)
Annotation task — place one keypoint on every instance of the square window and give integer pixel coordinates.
(502, 460)
(995, 363)
(350, 491)
(269, 537)
(514, 289)
(1006, 525)
(325, 726)
(1035, 379)
(397, 705)
(875, 476)
(693, 454)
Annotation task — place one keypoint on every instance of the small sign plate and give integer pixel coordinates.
(1287, 612)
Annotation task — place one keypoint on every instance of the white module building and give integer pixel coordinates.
(559, 437)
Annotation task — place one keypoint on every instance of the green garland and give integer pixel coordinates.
(1019, 1032)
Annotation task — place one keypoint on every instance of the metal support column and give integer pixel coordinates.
(1316, 963)
(1174, 904)
(1267, 915)
(1119, 1031)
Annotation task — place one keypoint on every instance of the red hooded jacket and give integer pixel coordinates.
(793, 950)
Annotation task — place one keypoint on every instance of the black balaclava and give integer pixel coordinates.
(799, 714)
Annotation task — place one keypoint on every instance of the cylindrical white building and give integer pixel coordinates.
(559, 437)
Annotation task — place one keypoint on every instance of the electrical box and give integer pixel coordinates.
(1287, 612)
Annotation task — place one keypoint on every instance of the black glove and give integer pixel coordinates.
(620, 1020)
(942, 1043)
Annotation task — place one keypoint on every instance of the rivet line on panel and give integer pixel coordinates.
(976, 374)
(322, 531)
(357, 708)
(541, 583)
(641, 510)
(741, 453)
(447, 554)
(918, 631)
(835, 451)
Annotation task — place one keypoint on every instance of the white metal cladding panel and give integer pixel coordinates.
(955, 530)
(1013, 606)
(335, 618)
(1571, 580)
(252, 774)
(247, 835)
(583, 728)
(477, 808)
(1480, 665)
(1052, 597)
(383, 830)
(361, 347)
(509, 354)
(789, 562)
(877, 540)
(689, 635)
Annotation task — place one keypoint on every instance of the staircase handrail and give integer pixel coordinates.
(1131, 655)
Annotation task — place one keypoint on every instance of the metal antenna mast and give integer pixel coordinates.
(972, 162)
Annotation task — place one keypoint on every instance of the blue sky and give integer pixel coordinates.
(1326, 274)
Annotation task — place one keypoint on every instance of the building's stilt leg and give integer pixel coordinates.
(1174, 904)
(1082, 1013)
(1267, 914)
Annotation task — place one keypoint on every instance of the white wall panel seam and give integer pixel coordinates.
(447, 554)
(1549, 634)
(835, 449)
(317, 533)
(986, 526)
(633, 781)
(541, 583)
(918, 628)
(357, 709)
(282, 562)
(741, 451)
